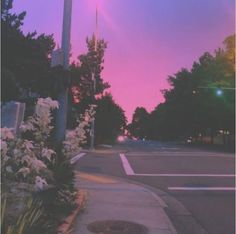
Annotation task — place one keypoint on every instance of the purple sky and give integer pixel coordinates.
(147, 39)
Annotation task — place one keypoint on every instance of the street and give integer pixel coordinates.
(197, 185)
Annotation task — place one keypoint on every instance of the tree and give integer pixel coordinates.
(110, 120)
(82, 86)
(25, 58)
(89, 63)
(138, 127)
(192, 106)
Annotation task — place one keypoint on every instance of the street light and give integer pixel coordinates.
(219, 92)
(61, 57)
(94, 81)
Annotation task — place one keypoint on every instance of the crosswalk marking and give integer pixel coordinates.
(186, 175)
(129, 171)
(77, 157)
(182, 154)
(202, 188)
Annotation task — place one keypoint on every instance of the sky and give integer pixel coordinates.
(148, 40)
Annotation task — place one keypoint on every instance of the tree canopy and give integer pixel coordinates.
(139, 125)
(25, 58)
(26, 69)
(200, 101)
(110, 119)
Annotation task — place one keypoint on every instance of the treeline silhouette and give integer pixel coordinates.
(199, 105)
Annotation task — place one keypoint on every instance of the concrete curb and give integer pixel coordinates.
(81, 199)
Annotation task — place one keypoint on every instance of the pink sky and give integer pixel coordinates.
(147, 39)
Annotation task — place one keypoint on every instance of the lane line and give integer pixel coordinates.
(187, 175)
(202, 188)
(128, 169)
(77, 157)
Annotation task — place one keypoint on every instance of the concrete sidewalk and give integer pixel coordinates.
(116, 200)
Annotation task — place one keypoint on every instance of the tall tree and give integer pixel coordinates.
(138, 127)
(89, 63)
(25, 58)
(110, 120)
(82, 84)
(201, 101)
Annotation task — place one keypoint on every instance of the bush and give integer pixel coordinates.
(30, 160)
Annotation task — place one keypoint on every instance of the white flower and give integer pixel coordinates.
(28, 145)
(43, 107)
(37, 165)
(78, 136)
(47, 153)
(92, 106)
(9, 169)
(47, 102)
(54, 104)
(6, 133)
(42, 111)
(6, 158)
(4, 147)
(70, 134)
(17, 152)
(87, 118)
(27, 126)
(24, 171)
(40, 183)
(27, 159)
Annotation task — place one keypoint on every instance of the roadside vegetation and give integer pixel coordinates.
(37, 177)
(200, 103)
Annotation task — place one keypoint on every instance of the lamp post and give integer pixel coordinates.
(61, 114)
(92, 133)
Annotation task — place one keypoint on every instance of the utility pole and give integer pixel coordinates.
(94, 84)
(61, 114)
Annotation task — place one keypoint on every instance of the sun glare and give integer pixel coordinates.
(103, 14)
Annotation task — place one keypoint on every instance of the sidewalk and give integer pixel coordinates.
(114, 201)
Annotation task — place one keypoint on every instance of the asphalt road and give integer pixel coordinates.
(197, 185)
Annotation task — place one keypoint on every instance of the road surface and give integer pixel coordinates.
(198, 185)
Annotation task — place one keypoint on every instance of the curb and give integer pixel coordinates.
(67, 223)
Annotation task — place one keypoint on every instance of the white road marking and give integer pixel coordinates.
(181, 154)
(187, 175)
(77, 157)
(128, 169)
(167, 148)
(202, 188)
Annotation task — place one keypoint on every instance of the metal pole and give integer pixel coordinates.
(94, 84)
(61, 115)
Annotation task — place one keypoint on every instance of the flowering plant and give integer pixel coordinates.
(25, 159)
(77, 137)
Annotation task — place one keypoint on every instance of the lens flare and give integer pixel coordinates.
(103, 15)
(121, 138)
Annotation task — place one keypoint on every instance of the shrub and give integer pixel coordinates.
(30, 159)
